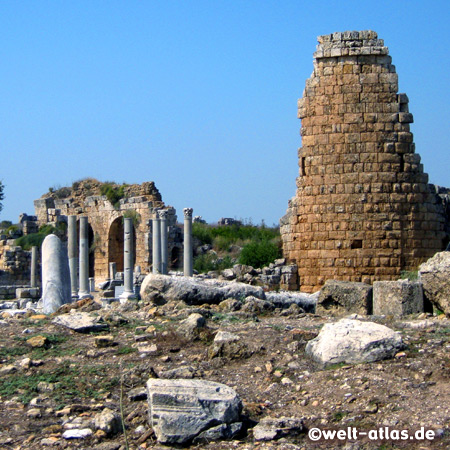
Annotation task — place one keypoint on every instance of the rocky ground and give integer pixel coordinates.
(64, 380)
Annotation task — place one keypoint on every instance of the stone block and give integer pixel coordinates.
(181, 409)
(397, 298)
(340, 298)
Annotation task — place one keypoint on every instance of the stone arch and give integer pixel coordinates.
(115, 243)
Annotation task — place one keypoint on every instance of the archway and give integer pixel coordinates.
(115, 244)
(176, 259)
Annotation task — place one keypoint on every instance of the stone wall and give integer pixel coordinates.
(363, 210)
(15, 264)
(106, 222)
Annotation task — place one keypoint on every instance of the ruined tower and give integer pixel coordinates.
(363, 210)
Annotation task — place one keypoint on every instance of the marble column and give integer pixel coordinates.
(156, 241)
(33, 266)
(164, 242)
(112, 270)
(73, 254)
(188, 256)
(128, 292)
(84, 258)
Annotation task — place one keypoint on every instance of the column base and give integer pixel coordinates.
(125, 296)
(82, 295)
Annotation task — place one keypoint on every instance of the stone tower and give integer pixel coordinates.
(363, 210)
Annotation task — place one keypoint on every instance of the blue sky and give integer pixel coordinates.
(199, 97)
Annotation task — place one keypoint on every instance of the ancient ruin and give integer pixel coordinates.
(363, 210)
(105, 222)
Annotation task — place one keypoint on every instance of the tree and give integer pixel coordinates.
(2, 195)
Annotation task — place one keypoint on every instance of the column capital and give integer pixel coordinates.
(162, 213)
(188, 213)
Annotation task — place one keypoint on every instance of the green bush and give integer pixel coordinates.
(113, 192)
(133, 215)
(36, 239)
(411, 275)
(207, 262)
(259, 253)
(228, 235)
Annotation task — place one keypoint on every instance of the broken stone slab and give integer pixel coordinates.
(77, 434)
(190, 327)
(255, 305)
(82, 322)
(338, 298)
(108, 421)
(137, 394)
(161, 289)
(179, 410)
(186, 372)
(284, 300)
(397, 298)
(271, 428)
(222, 431)
(228, 345)
(55, 275)
(354, 341)
(435, 277)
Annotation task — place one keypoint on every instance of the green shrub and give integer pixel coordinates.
(411, 275)
(228, 235)
(133, 215)
(207, 262)
(113, 192)
(36, 239)
(259, 253)
(12, 229)
(5, 224)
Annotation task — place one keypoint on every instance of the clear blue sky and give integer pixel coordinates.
(198, 96)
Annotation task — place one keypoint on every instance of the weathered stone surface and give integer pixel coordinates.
(162, 288)
(222, 431)
(271, 428)
(284, 300)
(190, 327)
(397, 298)
(340, 298)
(182, 409)
(435, 277)
(108, 421)
(186, 372)
(82, 322)
(256, 306)
(55, 275)
(354, 341)
(104, 341)
(228, 345)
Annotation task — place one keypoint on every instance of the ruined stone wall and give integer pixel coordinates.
(15, 264)
(106, 221)
(363, 210)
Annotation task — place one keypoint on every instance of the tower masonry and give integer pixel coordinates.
(363, 209)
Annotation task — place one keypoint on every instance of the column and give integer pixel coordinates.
(84, 258)
(128, 292)
(73, 254)
(188, 256)
(33, 266)
(164, 242)
(156, 241)
(112, 270)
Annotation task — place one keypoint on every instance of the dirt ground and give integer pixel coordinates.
(46, 390)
